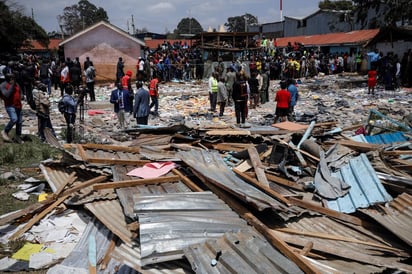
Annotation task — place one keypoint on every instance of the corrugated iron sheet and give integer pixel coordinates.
(57, 174)
(110, 213)
(368, 246)
(170, 222)
(386, 138)
(243, 252)
(212, 167)
(366, 188)
(126, 194)
(396, 216)
(338, 38)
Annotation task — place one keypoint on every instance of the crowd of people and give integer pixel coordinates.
(242, 82)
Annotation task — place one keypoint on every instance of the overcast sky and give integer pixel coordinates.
(159, 16)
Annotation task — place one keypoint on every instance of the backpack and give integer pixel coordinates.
(44, 71)
(61, 106)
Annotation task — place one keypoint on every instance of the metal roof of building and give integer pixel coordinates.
(338, 38)
(366, 188)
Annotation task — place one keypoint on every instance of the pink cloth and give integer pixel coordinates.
(92, 112)
(152, 170)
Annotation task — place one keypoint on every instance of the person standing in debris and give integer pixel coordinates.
(264, 90)
(140, 74)
(221, 95)
(212, 84)
(64, 78)
(90, 74)
(41, 98)
(154, 94)
(11, 94)
(230, 80)
(119, 70)
(121, 101)
(70, 110)
(283, 99)
(141, 104)
(372, 79)
(45, 74)
(76, 74)
(240, 98)
(294, 95)
(87, 63)
(254, 90)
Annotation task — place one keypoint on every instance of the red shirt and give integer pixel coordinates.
(283, 98)
(15, 98)
(153, 87)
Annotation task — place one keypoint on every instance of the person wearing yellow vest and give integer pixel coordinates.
(213, 89)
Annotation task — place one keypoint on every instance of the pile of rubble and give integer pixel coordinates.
(191, 193)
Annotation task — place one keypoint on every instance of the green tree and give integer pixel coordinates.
(188, 26)
(240, 23)
(393, 12)
(336, 5)
(80, 16)
(16, 29)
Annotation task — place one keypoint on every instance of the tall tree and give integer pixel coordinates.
(80, 16)
(240, 23)
(188, 26)
(394, 12)
(336, 5)
(16, 29)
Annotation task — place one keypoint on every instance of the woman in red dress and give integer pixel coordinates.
(372, 79)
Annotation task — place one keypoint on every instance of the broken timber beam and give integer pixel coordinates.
(129, 183)
(257, 165)
(326, 211)
(190, 184)
(262, 187)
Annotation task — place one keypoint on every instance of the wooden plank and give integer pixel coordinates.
(227, 132)
(37, 218)
(306, 249)
(190, 184)
(338, 238)
(264, 188)
(129, 183)
(359, 146)
(397, 152)
(71, 179)
(85, 184)
(244, 166)
(108, 161)
(326, 211)
(82, 152)
(275, 241)
(258, 166)
(231, 146)
(284, 182)
(112, 148)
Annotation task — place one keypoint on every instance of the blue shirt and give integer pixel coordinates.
(293, 90)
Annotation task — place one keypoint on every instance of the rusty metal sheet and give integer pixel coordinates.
(212, 167)
(242, 252)
(126, 194)
(172, 221)
(344, 242)
(396, 216)
(110, 213)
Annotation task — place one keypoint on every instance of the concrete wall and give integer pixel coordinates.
(104, 46)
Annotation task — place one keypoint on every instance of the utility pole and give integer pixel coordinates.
(133, 29)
